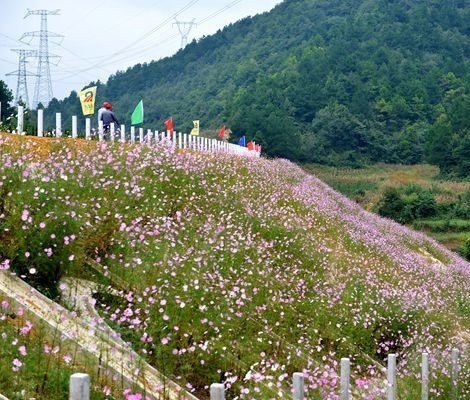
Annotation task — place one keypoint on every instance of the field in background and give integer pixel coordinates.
(366, 187)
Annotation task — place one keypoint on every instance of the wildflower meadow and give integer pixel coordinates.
(221, 268)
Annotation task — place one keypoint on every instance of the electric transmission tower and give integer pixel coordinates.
(43, 88)
(184, 29)
(22, 86)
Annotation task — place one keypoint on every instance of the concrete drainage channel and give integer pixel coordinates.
(94, 337)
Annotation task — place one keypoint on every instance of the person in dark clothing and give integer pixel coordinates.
(107, 116)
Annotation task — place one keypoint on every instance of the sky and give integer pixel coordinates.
(93, 39)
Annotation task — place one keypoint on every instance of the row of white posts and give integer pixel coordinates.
(179, 139)
(217, 390)
(80, 383)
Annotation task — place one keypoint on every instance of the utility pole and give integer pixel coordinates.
(184, 29)
(22, 86)
(43, 88)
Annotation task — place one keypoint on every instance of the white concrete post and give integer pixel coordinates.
(298, 383)
(392, 377)
(87, 128)
(74, 126)
(0, 112)
(217, 391)
(455, 373)
(112, 131)
(180, 140)
(132, 134)
(20, 124)
(185, 145)
(141, 135)
(345, 372)
(58, 124)
(79, 387)
(123, 133)
(149, 136)
(424, 376)
(40, 122)
(100, 131)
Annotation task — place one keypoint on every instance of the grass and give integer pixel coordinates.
(220, 268)
(366, 185)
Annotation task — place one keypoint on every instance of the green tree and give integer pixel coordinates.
(410, 141)
(342, 133)
(462, 156)
(440, 144)
(6, 98)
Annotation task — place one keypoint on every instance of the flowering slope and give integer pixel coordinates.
(234, 270)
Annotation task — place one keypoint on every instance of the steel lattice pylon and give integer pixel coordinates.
(184, 29)
(22, 87)
(43, 89)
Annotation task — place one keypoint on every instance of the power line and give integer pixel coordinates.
(135, 50)
(220, 11)
(111, 59)
(166, 21)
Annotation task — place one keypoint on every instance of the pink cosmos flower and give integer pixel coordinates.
(25, 215)
(5, 264)
(16, 365)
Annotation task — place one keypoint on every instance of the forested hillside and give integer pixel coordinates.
(341, 82)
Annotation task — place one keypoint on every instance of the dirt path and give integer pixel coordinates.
(91, 335)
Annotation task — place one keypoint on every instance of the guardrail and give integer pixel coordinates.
(140, 135)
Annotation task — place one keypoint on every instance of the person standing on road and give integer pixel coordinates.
(107, 116)
(100, 111)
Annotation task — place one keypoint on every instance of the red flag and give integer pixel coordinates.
(250, 145)
(222, 132)
(169, 124)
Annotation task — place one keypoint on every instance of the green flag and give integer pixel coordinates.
(137, 116)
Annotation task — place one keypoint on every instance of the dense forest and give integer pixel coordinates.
(338, 82)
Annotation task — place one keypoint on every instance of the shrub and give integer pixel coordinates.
(407, 204)
(391, 205)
